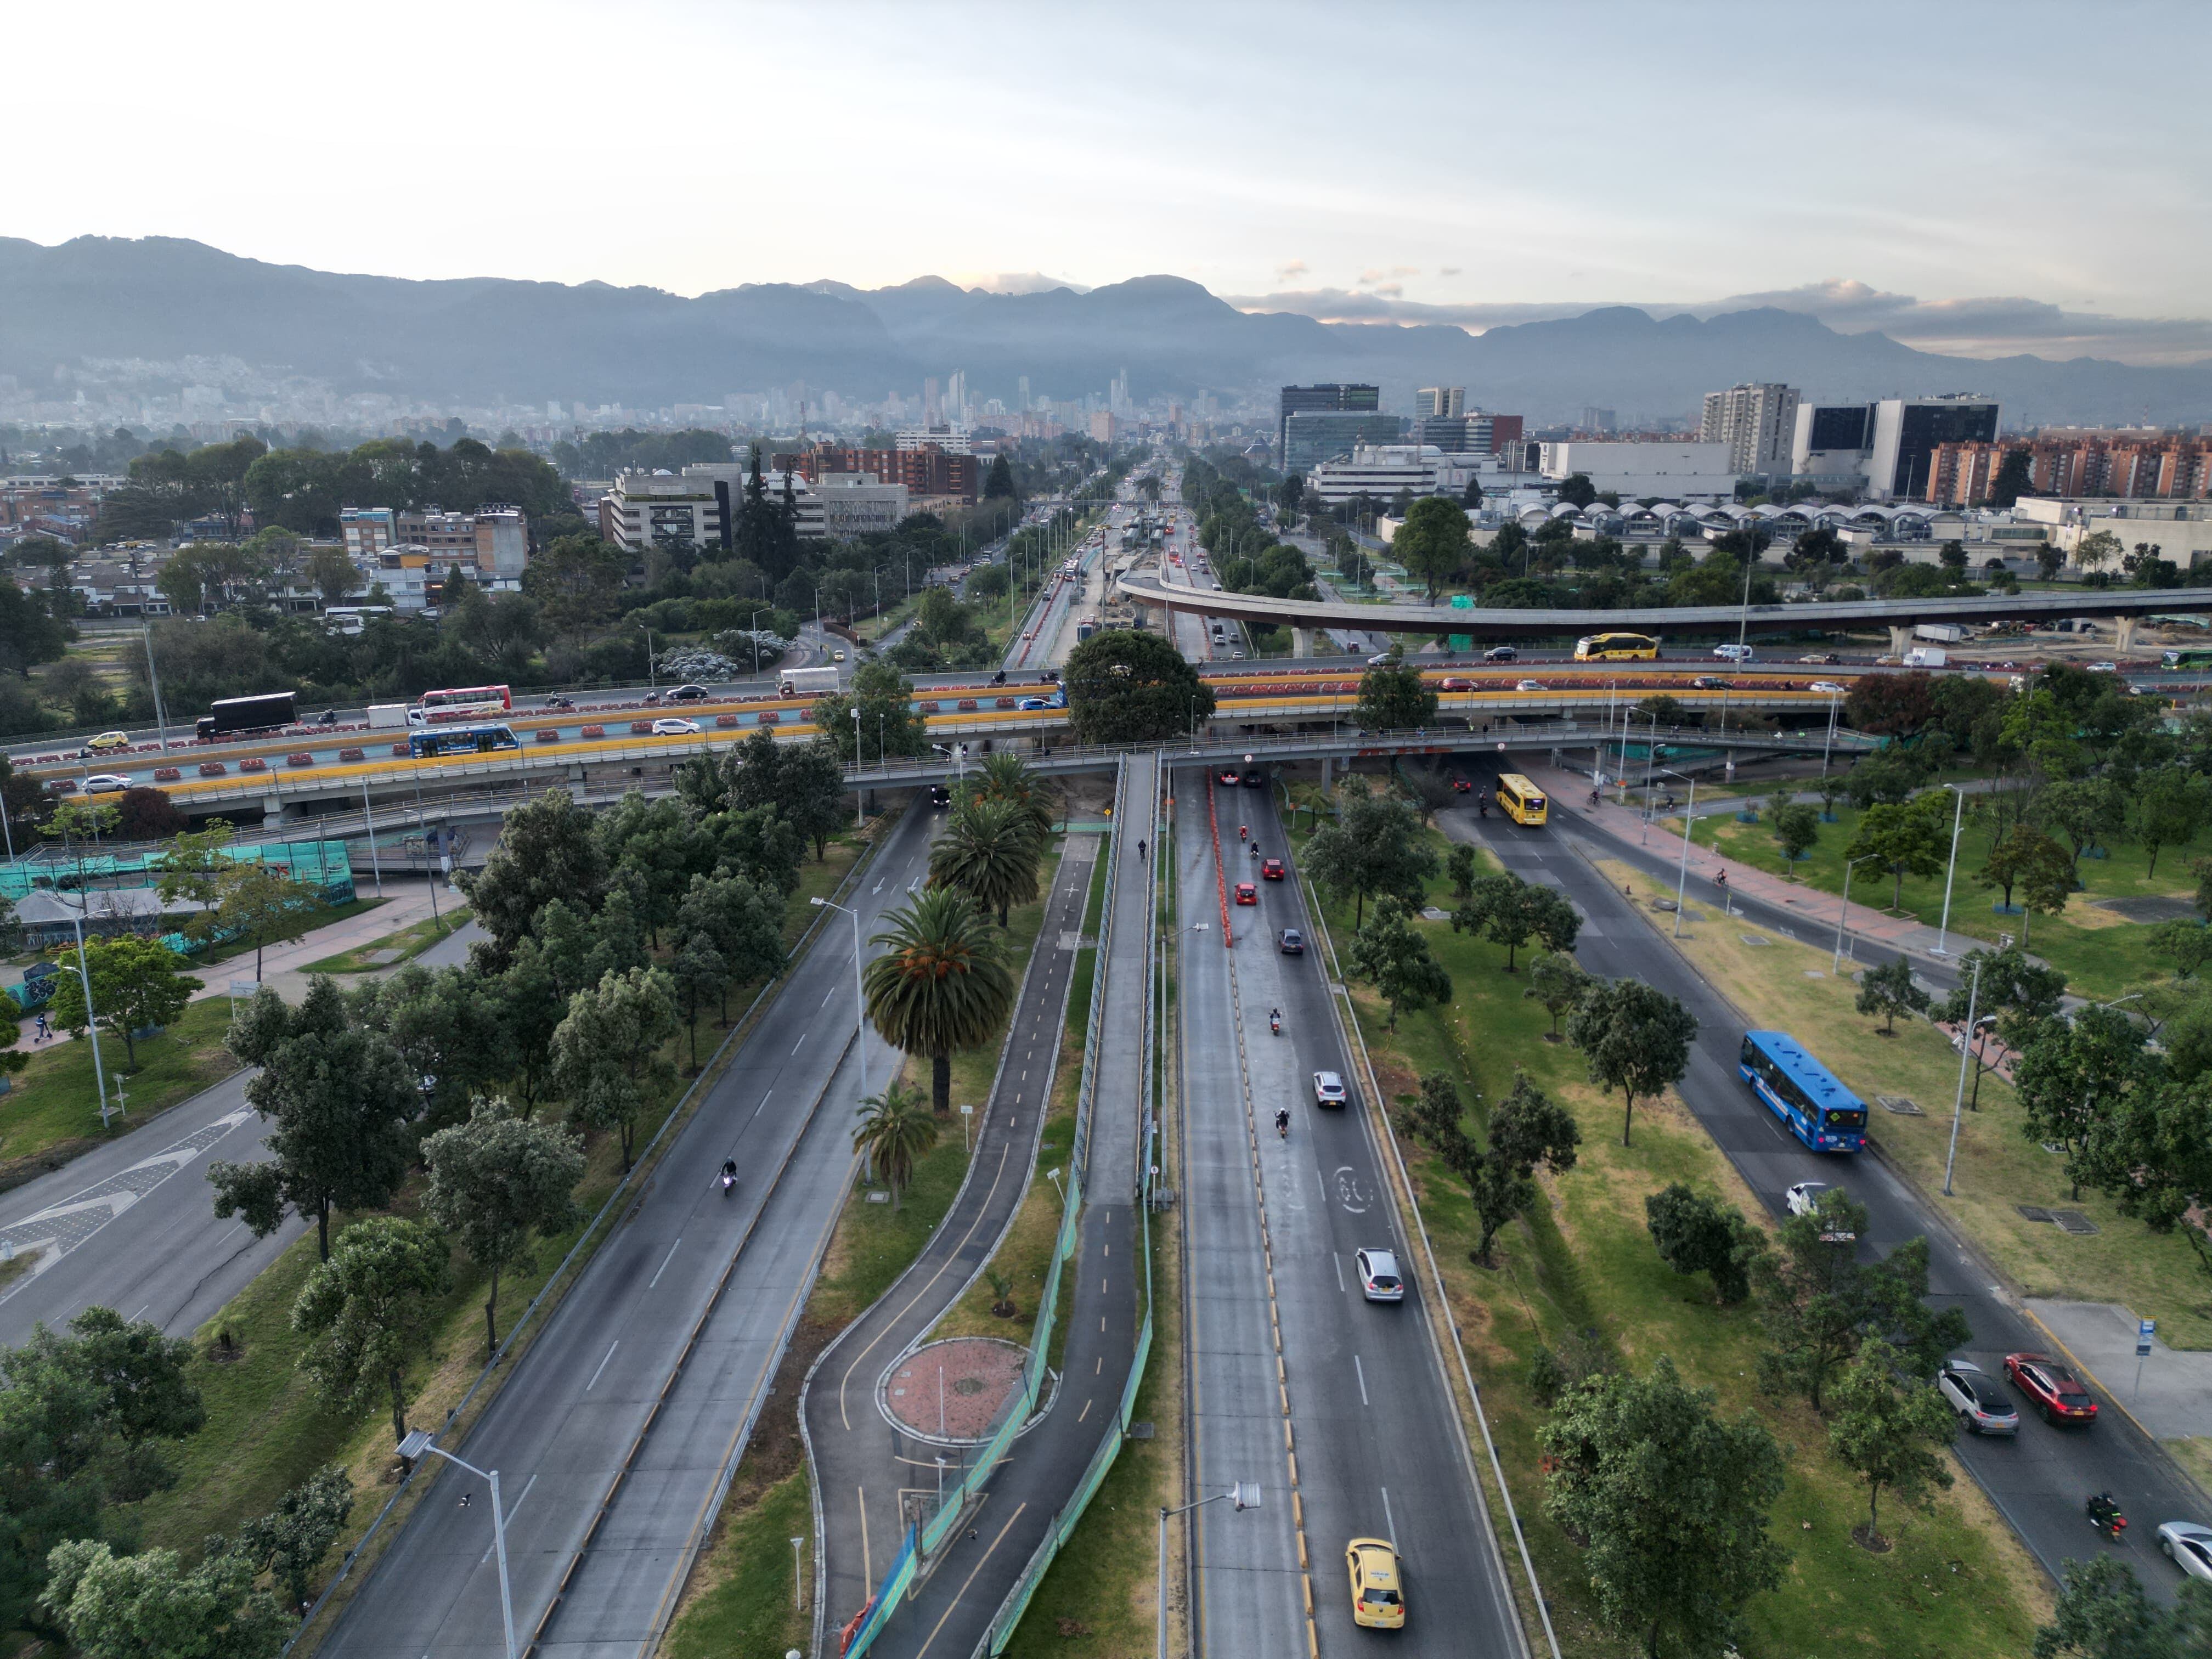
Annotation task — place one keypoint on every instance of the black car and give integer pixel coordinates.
(1255, 779)
(1500, 653)
(689, 694)
(940, 795)
(1290, 942)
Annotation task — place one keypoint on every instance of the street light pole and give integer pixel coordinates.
(860, 999)
(1957, 818)
(91, 1018)
(1245, 1495)
(1689, 818)
(1966, 1059)
(1843, 911)
(420, 1442)
(860, 796)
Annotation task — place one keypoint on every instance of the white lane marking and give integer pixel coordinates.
(1388, 1525)
(140, 1314)
(764, 1100)
(826, 995)
(1360, 1371)
(664, 1260)
(879, 887)
(594, 1383)
(801, 1044)
(511, 1509)
(1338, 1258)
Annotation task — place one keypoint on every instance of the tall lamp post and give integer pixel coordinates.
(1950, 873)
(1843, 911)
(420, 1442)
(91, 1018)
(1245, 1495)
(860, 999)
(1689, 820)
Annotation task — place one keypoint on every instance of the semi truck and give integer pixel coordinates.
(1942, 633)
(234, 717)
(797, 682)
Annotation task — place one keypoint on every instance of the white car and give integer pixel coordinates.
(1379, 1277)
(1382, 656)
(1328, 1090)
(1804, 1198)
(669, 727)
(2189, 1545)
(1830, 689)
(1735, 652)
(1530, 685)
(100, 782)
(2104, 668)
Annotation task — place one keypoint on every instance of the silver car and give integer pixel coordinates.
(1328, 1090)
(1983, 1407)
(1379, 1277)
(2189, 1546)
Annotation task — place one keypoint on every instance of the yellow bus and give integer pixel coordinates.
(1522, 800)
(1616, 647)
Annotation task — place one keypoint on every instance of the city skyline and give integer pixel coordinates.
(1572, 159)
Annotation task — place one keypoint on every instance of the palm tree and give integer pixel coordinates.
(1006, 777)
(940, 984)
(990, 850)
(894, 1132)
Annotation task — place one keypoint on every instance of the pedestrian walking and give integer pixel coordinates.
(42, 1028)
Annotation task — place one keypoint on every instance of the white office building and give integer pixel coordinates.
(1672, 473)
(1379, 471)
(854, 504)
(723, 482)
(661, 509)
(1757, 421)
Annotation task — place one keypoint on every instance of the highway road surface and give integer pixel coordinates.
(1371, 1419)
(581, 1398)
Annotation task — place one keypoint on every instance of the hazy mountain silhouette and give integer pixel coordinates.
(159, 301)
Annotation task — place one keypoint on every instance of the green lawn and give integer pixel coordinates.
(298, 922)
(1580, 1269)
(51, 1115)
(2101, 953)
(405, 945)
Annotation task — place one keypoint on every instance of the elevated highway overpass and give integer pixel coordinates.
(2125, 606)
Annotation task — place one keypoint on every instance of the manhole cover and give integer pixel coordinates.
(2031, 1212)
(1901, 1105)
(1754, 939)
(2073, 1221)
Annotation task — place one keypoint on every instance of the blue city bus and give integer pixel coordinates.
(1803, 1093)
(438, 740)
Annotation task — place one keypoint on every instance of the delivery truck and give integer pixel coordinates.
(1942, 633)
(234, 717)
(1924, 656)
(797, 681)
(388, 716)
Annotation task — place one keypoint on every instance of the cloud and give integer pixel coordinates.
(1368, 279)
(1985, 327)
(1293, 268)
(1446, 270)
(1024, 281)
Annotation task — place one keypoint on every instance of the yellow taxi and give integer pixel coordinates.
(105, 742)
(1376, 1601)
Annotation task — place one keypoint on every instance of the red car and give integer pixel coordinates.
(1272, 869)
(1228, 779)
(1248, 892)
(1454, 682)
(1462, 785)
(2051, 1388)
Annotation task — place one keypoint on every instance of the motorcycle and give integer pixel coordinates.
(729, 1180)
(2105, 1516)
(1283, 1125)
(1274, 1022)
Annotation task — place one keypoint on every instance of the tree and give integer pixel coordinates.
(1394, 697)
(606, 1053)
(999, 482)
(1433, 543)
(1510, 911)
(576, 579)
(1525, 1129)
(547, 850)
(1697, 1234)
(135, 983)
(332, 574)
(1576, 489)
(1375, 846)
(151, 1606)
(1818, 1302)
(2085, 810)
(1434, 1113)
(1635, 1038)
(1127, 687)
(1889, 991)
(1890, 1433)
(30, 633)
(992, 851)
(2024, 853)
(1005, 777)
(148, 814)
(2167, 808)
(254, 899)
(1390, 954)
(290, 1542)
(1796, 826)
(1891, 705)
(497, 1182)
(810, 793)
(2077, 1080)
(341, 1099)
(1557, 980)
(895, 1133)
(1906, 837)
(743, 924)
(2015, 478)
(888, 723)
(2008, 990)
(369, 1310)
(2102, 1613)
(2098, 548)
(1463, 864)
(1672, 1501)
(940, 985)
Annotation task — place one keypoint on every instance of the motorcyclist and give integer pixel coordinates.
(1244, 832)
(729, 1171)
(1283, 1121)
(2104, 1510)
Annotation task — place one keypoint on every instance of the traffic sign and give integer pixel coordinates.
(2145, 1329)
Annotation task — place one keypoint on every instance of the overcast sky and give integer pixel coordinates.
(1971, 177)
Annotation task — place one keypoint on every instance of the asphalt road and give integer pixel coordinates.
(1376, 1436)
(584, 1393)
(2040, 1480)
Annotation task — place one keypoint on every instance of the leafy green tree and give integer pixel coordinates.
(1374, 846)
(369, 1310)
(1557, 980)
(2025, 854)
(1697, 1234)
(2077, 1080)
(1130, 687)
(2103, 1612)
(341, 1099)
(547, 850)
(2086, 812)
(1673, 1501)
(889, 724)
(1889, 991)
(1891, 1433)
(700, 976)
(811, 792)
(1818, 1302)
(991, 850)
(999, 482)
(2186, 943)
(135, 983)
(449, 1024)
(941, 985)
(1510, 911)
(2009, 988)
(742, 922)
(576, 579)
(1525, 1129)
(1434, 1113)
(1907, 838)
(606, 1053)
(758, 845)
(1391, 954)
(896, 1131)
(290, 1542)
(498, 1183)
(1394, 697)
(2167, 808)
(151, 1606)
(30, 632)
(1433, 543)
(1796, 826)
(1463, 864)
(1634, 1038)
(255, 900)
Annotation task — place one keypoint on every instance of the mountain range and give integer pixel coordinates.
(160, 309)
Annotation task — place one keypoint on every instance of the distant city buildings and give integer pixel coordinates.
(2134, 465)
(1668, 471)
(368, 531)
(1445, 402)
(1886, 448)
(930, 473)
(1757, 421)
(1348, 398)
(1311, 437)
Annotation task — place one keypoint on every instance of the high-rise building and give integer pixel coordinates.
(1595, 419)
(1757, 420)
(933, 410)
(1311, 437)
(1448, 402)
(955, 396)
(1022, 393)
(1908, 431)
(1347, 398)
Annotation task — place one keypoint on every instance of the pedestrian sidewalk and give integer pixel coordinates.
(2169, 1392)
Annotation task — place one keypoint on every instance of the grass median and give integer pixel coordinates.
(1578, 1275)
(394, 948)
